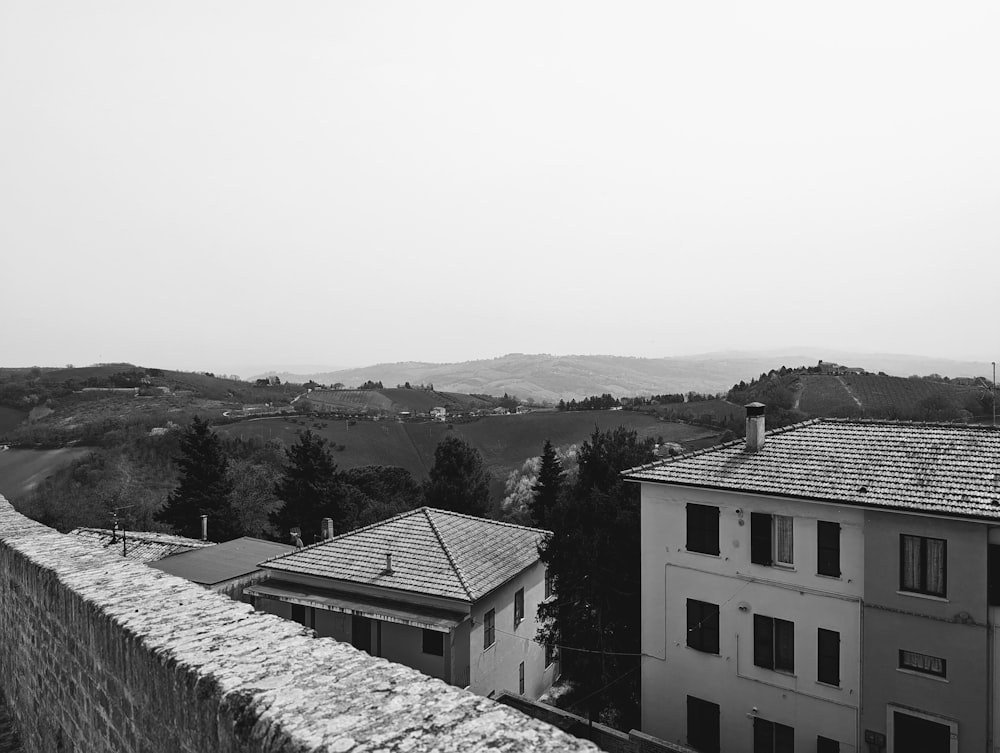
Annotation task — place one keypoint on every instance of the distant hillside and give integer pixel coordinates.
(796, 395)
(392, 401)
(553, 378)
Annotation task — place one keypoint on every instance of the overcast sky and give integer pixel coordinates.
(208, 185)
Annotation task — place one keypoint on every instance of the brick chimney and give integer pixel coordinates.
(204, 528)
(755, 426)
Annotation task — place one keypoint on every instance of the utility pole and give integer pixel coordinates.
(993, 389)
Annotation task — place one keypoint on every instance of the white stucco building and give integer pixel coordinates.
(451, 595)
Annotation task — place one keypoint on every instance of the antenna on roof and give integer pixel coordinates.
(114, 529)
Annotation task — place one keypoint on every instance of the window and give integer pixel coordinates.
(923, 565)
(703, 626)
(928, 665)
(828, 548)
(433, 642)
(828, 656)
(489, 632)
(826, 745)
(771, 737)
(702, 725)
(549, 585)
(304, 615)
(518, 606)
(703, 529)
(550, 654)
(520, 678)
(771, 539)
(773, 643)
(993, 575)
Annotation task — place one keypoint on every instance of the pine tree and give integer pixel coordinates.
(459, 480)
(546, 488)
(310, 489)
(204, 487)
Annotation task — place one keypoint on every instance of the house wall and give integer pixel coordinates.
(495, 668)
(952, 628)
(405, 644)
(671, 670)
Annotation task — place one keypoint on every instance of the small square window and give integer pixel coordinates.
(489, 629)
(923, 565)
(433, 642)
(518, 606)
(928, 665)
(771, 539)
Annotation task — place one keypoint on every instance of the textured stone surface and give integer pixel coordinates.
(104, 654)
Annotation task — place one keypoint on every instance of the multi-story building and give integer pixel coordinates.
(451, 595)
(824, 587)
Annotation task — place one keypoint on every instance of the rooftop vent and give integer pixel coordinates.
(755, 426)
(388, 564)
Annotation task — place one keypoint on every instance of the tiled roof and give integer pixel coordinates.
(141, 546)
(949, 469)
(434, 552)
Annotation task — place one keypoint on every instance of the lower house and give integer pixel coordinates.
(141, 546)
(451, 595)
(226, 568)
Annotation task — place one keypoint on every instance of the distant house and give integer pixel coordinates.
(450, 595)
(500, 412)
(523, 409)
(142, 546)
(439, 414)
(226, 568)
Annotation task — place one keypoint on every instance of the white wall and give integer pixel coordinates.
(496, 668)
(670, 575)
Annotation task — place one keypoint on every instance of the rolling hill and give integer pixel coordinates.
(553, 378)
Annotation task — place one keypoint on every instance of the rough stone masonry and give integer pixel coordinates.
(99, 653)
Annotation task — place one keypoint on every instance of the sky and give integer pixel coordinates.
(210, 186)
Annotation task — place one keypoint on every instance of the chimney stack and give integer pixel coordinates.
(327, 528)
(204, 528)
(755, 427)
(388, 563)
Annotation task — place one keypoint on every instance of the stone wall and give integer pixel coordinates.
(99, 653)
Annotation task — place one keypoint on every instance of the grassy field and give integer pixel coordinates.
(704, 411)
(505, 442)
(22, 470)
(896, 396)
(824, 395)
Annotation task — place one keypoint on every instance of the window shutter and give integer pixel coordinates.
(828, 548)
(993, 576)
(763, 641)
(784, 645)
(828, 651)
(763, 736)
(784, 739)
(760, 538)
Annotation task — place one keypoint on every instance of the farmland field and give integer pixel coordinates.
(886, 396)
(704, 411)
(825, 395)
(22, 470)
(505, 442)
(392, 401)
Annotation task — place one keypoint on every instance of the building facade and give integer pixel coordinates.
(453, 596)
(823, 587)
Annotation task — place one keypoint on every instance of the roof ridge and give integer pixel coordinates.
(485, 520)
(447, 552)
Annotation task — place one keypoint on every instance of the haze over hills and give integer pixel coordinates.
(552, 378)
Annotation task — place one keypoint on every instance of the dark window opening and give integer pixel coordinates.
(826, 745)
(703, 529)
(828, 657)
(828, 548)
(433, 642)
(489, 629)
(761, 526)
(771, 737)
(928, 665)
(518, 606)
(703, 626)
(703, 725)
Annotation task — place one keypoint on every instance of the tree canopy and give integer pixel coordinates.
(546, 488)
(459, 480)
(593, 556)
(309, 487)
(204, 487)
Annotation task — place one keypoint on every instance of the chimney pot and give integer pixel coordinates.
(204, 528)
(388, 563)
(327, 526)
(755, 426)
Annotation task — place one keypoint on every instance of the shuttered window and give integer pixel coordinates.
(703, 725)
(828, 656)
(703, 626)
(760, 538)
(828, 548)
(703, 529)
(773, 643)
